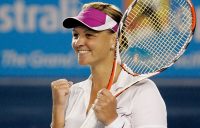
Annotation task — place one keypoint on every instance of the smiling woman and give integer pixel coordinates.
(94, 41)
(88, 45)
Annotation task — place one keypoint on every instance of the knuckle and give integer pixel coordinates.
(62, 80)
(113, 98)
(59, 81)
(97, 108)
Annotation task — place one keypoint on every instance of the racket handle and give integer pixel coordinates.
(91, 120)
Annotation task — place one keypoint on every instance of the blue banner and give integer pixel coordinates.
(33, 42)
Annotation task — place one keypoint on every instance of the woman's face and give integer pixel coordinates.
(92, 47)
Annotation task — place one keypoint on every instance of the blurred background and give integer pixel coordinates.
(35, 49)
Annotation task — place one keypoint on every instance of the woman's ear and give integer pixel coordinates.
(113, 42)
(114, 37)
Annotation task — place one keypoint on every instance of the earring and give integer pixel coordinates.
(112, 47)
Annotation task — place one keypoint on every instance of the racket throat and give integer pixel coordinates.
(112, 76)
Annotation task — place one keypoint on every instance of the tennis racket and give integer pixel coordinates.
(152, 36)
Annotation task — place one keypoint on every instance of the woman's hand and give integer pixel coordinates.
(105, 107)
(60, 91)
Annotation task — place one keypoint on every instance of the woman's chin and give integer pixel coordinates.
(82, 62)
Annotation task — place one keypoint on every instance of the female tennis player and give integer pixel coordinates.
(93, 40)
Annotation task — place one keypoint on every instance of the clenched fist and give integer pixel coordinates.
(105, 107)
(60, 90)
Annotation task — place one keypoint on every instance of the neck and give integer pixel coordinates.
(101, 76)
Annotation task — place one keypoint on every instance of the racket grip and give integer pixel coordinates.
(91, 120)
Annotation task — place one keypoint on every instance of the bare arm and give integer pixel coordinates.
(58, 117)
(60, 90)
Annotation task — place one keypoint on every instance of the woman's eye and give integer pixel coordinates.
(75, 35)
(88, 35)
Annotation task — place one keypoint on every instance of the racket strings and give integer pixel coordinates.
(182, 36)
(155, 45)
(155, 59)
(143, 46)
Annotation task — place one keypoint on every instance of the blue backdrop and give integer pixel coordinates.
(33, 42)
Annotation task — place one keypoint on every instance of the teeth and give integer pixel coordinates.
(83, 51)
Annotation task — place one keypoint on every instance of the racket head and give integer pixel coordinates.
(153, 34)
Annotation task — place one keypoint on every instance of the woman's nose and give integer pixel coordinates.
(79, 42)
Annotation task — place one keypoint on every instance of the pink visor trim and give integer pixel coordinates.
(92, 18)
